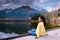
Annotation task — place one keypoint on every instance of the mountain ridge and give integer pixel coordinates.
(20, 12)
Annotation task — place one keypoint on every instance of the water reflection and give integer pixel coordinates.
(17, 26)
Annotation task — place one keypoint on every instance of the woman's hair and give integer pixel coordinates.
(43, 19)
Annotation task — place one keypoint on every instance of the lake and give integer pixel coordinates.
(20, 27)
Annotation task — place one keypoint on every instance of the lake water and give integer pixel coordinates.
(16, 27)
(9, 28)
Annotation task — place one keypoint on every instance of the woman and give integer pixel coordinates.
(40, 28)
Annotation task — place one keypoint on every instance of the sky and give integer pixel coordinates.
(49, 5)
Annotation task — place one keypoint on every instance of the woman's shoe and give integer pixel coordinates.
(36, 37)
(45, 34)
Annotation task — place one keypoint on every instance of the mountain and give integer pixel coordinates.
(20, 12)
(3, 13)
(44, 11)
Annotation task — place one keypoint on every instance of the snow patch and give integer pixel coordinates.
(6, 35)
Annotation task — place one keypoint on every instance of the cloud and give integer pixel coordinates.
(42, 1)
(5, 5)
(20, 2)
(15, 3)
(37, 4)
(56, 5)
(52, 6)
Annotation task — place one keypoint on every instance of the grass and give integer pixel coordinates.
(49, 26)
